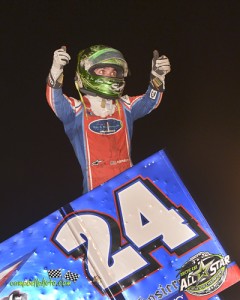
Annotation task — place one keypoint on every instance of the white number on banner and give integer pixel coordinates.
(94, 230)
(145, 218)
(148, 220)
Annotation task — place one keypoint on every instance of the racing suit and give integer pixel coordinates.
(102, 144)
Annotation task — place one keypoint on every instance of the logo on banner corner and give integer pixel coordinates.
(203, 273)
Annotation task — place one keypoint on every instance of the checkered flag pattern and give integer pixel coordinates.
(55, 273)
(71, 276)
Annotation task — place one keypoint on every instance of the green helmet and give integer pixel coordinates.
(100, 56)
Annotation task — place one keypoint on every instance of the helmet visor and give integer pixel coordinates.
(118, 70)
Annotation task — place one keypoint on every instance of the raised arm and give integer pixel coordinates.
(60, 59)
(64, 107)
(142, 105)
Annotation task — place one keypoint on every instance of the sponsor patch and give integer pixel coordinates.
(153, 94)
(106, 126)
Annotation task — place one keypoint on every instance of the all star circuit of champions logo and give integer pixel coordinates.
(203, 273)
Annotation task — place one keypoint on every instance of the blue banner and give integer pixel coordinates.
(139, 236)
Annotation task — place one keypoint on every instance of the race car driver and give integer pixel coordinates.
(100, 124)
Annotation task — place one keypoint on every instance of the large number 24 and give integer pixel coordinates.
(117, 255)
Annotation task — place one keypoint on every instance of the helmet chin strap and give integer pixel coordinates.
(103, 103)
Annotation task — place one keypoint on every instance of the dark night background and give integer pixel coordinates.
(198, 122)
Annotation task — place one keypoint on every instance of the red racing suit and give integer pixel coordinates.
(102, 144)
